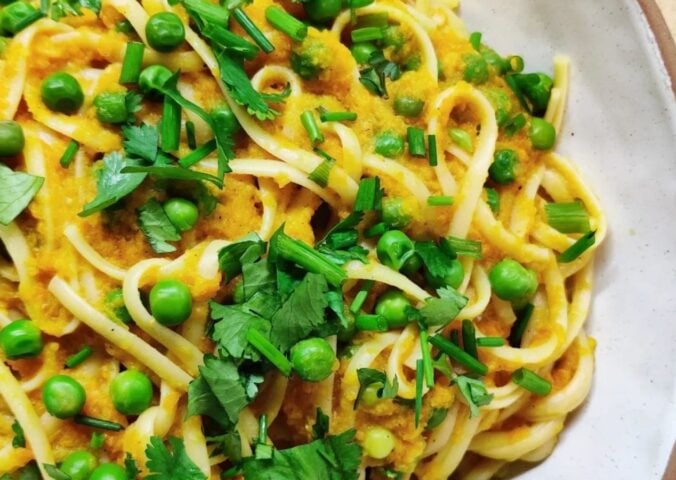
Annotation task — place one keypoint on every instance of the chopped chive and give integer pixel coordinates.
(69, 153)
(531, 381)
(369, 195)
(519, 326)
(361, 295)
(132, 62)
(475, 40)
(426, 358)
(372, 323)
(254, 32)
(320, 175)
(416, 141)
(170, 125)
(79, 357)
(97, 423)
(459, 355)
(124, 26)
(432, 150)
(231, 42)
(439, 200)
(490, 342)
(578, 248)
(462, 247)
(198, 154)
(286, 23)
(569, 217)
(455, 337)
(190, 135)
(462, 139)
(269, 351)
(419, 377)
(359, 3)
(325, 116)
(97, 440)
(375, 230)
(307, 118)
(263, 429)
(469, 338)
(367, 34)
(515, 63)
(305, 256)
(380, 19)
(493, 199)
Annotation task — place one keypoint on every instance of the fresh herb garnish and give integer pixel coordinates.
(369, 376)
(17, 189)
(156, 227)
(19, 440)
(375, 76)
(474, 392)
(163, 463)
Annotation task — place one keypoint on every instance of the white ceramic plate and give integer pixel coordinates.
(620, 130)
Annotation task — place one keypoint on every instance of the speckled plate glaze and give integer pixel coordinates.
(620, 130)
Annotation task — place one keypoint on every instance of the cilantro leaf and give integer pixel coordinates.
(474, 392)
(301, 314)
(437, 417)
(218, 392)
(441, 311)
(17, 189)
(230, 257)
(380, 68)
(321, 426)
(332, 458)
(19, 440)
(438, 263)
(369, 376)
(156, 227)
(241, 90)
(54, 472)
(62, 8)
(132, 102)
(130, 467)
(164, 464)
(232, 324)
(141, 141)
(113, 185)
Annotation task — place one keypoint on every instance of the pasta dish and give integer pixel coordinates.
(320, 239)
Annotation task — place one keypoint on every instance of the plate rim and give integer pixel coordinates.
(665, 43)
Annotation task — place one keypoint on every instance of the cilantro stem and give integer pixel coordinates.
(132, 62)
(426, 358)
(269, 351)
(69, 153)
(79, 357)
(281, 245)
(459, 355)
(419, 376)
(254, 32)
(97, 423)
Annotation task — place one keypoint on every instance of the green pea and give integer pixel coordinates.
(412, 63)
(378, 442)
(153, 77)
(111, 107)
(394, 248)
(321, 11)
(109, 471)
(393, 37)
(14, 16)
(408, 106)
(389, 144)
(115, 306)
(512, 282)
(170, 302)
(452, 279)
(371, 394)
(79, 465)
(476, 69)
(165, 31)
(502, 170)
(63, 396)
(313, 359)
(361, 51)
(21, 339)
(182, 213)
(412, 265)
(392, 305)
(225, 119)
(394, 213)
(62, 93)
(542, 134)
(131, 392)
(12, 140)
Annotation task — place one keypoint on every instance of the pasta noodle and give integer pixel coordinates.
(420, 311)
